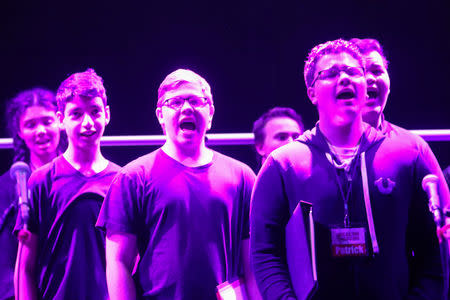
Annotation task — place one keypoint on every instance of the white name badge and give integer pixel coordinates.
(231, 291)
(348, 242)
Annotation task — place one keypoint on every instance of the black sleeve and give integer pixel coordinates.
(426, 268)
(268, 218)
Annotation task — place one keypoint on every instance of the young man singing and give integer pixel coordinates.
(63, 255)
(182, 208)
(374, 235)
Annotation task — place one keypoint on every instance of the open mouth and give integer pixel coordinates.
(87, 133)
(344, 95)
(372, 94)
(42, 142)
(187, 125)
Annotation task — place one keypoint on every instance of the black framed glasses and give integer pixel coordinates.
(178, 102)
(334, 72)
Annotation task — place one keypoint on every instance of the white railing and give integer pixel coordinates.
(214, 139)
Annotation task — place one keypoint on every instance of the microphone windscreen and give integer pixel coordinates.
(430, 178)
(18, 168)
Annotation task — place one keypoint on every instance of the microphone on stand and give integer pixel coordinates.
(20, 171)
(430, 186)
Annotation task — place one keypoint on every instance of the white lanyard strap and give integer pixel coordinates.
(365, 183)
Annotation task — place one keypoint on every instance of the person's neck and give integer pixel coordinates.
(373, 120)
(190, 155)
(263, 159)
(38, 161)
(345, 135)
(88, 161)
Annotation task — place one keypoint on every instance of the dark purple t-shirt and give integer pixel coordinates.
(8, 242)
(64, 208)
(189, 222)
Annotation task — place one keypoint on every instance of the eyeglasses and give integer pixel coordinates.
(334, 72)
(178, 102)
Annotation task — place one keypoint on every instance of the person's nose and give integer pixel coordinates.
(370, 79)
(186, 107)
(344, 78)
(87, 121)
(40, 129)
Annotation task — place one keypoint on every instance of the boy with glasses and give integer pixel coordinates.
(63, 255)
(374, 235)
(182, 209)
(378, 90)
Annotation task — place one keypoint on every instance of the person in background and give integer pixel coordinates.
(275, 128)
(378, 90)
(374, 235)
(61, 255)
(34, 127)
(183, 208)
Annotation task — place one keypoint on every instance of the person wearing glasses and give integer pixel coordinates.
(275, 128)
(378, 89)
(374, 235)
(182, 209)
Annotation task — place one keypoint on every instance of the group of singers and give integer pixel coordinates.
(187, 222)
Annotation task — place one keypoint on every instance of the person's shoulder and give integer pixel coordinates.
(45, 172)
(5, 178)
(230, 163)
(397, 131)
(7, 183)
(142, 163)
(399, 135)
(292, 151)
(113, 167)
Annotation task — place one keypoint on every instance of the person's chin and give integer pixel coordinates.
(88, 143)
(370, 111)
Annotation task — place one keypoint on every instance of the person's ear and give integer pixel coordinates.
(107, 114)
(260, 150)
(211, 115)
(160, 117)
(60, 117)
(312, 95)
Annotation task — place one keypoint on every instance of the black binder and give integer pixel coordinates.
(300, 251)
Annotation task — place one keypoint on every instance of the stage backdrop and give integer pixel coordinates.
(251, 52)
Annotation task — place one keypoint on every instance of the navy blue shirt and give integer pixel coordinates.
(8, 242)
(189, 222)
(64, 209)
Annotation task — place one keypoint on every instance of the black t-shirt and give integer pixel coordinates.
(8, 242)
(64, 209)
(189, 222)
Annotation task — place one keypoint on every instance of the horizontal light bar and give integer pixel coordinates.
(215, 139)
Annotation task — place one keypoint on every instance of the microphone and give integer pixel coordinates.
(20, 171)
(430, 186)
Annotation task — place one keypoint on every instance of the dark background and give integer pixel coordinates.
(251, 52)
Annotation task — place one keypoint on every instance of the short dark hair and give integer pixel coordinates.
(276, 112)
(86, 83)
(368, 45)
